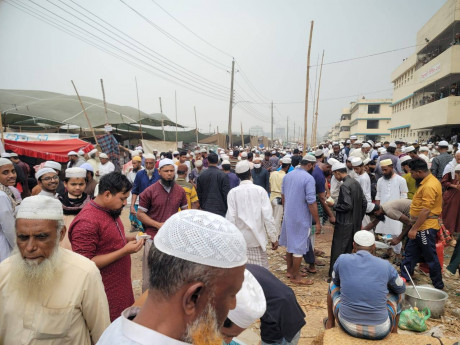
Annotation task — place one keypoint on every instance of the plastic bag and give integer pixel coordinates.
(414, 320)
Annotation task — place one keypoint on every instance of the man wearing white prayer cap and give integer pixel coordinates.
(365, 182)
(196, 268)
(283, 318)
(105, 166)
(157, 203)
(423, 154)
(365, 293)
(250, 210)
(8, 204)
(48, 181)
(74, 159)
(61, 289)
(439, 162)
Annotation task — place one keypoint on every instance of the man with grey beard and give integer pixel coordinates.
(48, 294)
(196, 266)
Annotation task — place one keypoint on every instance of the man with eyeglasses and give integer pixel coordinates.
(48, 181)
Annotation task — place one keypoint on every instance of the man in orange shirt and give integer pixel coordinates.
(425, 210)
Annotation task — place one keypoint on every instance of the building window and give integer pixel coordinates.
(372, 124)
(373, 109)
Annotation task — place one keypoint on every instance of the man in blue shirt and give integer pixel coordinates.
(233, 180)
(143, 179)
(365, 292)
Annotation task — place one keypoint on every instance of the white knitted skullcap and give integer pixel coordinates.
(244, 154)
(72, 153)
(43, 171)
(40, 207)
(366, 145)
(285, 160)
(338, 166)
(175, 153)
(366, 161)
(139, 148)
(165, 161)
(443, 143)
(381, 150)
(242, 166)
(424, 148)
(92, 152)
(332, 161)
(404, 159)
(5, 161)
(356, 161)
(75, 172)
(149, 156)
(409, 149)
(203, 151)
(202, 237)
(225, 162)
(198, 163)
(13, 154)
(6, 155)
(81, 153)
(250, 302)
(353, 137)
(103, 155)
(309, 158)
(53, 165)
(364, 238)
(386, 162)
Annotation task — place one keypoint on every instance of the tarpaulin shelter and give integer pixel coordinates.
(55, 150)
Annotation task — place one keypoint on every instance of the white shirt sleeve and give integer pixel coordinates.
(403, 188)
(379, 188)
(267, 215)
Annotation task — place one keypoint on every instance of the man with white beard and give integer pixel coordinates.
(49, 295)
(196, 267)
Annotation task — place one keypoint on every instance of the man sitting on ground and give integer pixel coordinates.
(365, 293)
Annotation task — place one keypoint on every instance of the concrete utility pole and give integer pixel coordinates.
(231, 106)
(272, 122)
(287, 130)
(242, 136)
(306, 93)
(162, 121)
(175, 105)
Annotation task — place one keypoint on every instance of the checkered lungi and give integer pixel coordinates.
(257, 256)
(375, 332)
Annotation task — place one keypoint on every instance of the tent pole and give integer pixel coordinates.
(1, 129)
(105, 104)
(86, 115)
(138, 109)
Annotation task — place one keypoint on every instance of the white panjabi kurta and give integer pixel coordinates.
(7, 229)
(389, 190)
(365, 182)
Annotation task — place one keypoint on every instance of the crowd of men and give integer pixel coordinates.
(205, 220)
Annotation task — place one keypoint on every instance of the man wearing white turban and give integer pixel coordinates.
(49, 295)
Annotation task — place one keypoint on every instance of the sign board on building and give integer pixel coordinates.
(26, 136)
(430, 72)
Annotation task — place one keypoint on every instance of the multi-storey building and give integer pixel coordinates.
(370, 119)
(345, 124)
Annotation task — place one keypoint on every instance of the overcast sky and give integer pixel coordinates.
(269, 40)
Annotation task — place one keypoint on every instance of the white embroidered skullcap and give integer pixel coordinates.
(364, 238)
(366, 161)
(319, 153)
(103, 155)
(53, 165)
(443, 143)
(135, 153)
(149, 156)
(378, 145)
(244, 154)
(332, 161)
(198, 163)
(286, 160)
(40, 207)
(353, 137)
(366, 145)
(250, 302)
(242, 167)
(356, 161)
(76, 172)
(424, 148)
(404, 159)
(309, 158)
(43, 171)
(386, 162)
(392, 144)
(5, 155)
(165, 161)
(381, 150)
(409, 149)
(81, 152)
(225, 162)
(175, 153)
(5, 161)
(86, 166)
(13, 154)
(92, 152)
(457, 167)
(72, 153)
(338, 166)
(202, 237)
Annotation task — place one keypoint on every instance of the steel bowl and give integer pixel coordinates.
(431, 298)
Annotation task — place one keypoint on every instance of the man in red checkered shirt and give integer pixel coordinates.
(157, 203)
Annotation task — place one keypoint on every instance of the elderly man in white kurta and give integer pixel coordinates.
(48, 294)
(365, 183)
(390, 187)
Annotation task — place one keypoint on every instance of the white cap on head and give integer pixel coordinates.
(6, 155)
(242, 166)
(92, 152)
(250, 302)
(378, 145)
(103, 155)
(404, 159)
(175, 153)
(149, 156)
(381, 150)
(40, 207)
(244, 154)
(370, 142)
(358, 142)
(356, 161)
(364, 238)
(81, 153)
(285, 160)
(202, 237)
(135, 153)
(225, 162)
(319, 153)
(13, 154)
(198, 163)
(139, 148)
(203, 151)
(164, 162)
(5, 161)
(353, 137)
(409, 149)
(366, 161)
(457, 167)
(332, 161)
(443, 143)
(76, 172)
(386, 162)
(309, 158)
(43, 171)
(53, 165)
(338, 166)
(366, 145)
(392, 144)
(72, 153)
(423, 149)
(86, 166)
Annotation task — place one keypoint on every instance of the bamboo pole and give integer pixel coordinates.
(1, 129)
(162, 121)
(196, 126)
(306, 93)
(242, 136)
(138, 109)
(314, 103)
(175, 106)
(317, 97)
(105, 104)
(87, 117)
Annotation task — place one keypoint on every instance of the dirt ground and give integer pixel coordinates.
(312, 298)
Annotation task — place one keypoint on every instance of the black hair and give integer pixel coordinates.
(250, 155)
(228, 323)
(226, 167)
(391, 149)
(168, 155)
(91, 172)
(285, 165)
(114, 182)
(66, 180)
(344, 170)
(406, 162)
(236, 153)
(244, 176)
(213, 158)
(372, 162)
(296, 151)
(418, 165)
(183, 153)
